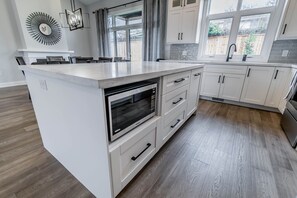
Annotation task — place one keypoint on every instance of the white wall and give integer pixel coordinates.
(9, 42)
(78, 40)
(93, 31)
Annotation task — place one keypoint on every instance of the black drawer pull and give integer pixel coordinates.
(179, 80)
(249, 72)
(173, 126)
(285, 28)
(176, 102)
(223, 81)
(147, 146)
(197, 74)
(181, 36)
(276, 74)
(219, 81)
(178, 36)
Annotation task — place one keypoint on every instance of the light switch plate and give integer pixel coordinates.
(285, 53)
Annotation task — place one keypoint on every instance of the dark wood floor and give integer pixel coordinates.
(223, 151)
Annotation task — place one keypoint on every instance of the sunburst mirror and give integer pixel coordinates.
(43, 28)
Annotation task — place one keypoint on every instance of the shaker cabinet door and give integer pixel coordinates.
(231, 87)
(211, 84)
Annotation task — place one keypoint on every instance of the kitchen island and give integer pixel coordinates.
(69, 103)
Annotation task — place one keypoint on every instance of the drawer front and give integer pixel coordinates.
(172, 123)
(134, 156)
(226, 69)
(175, 81)
(175, 99)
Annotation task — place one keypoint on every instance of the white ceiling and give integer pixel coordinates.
(89, 2)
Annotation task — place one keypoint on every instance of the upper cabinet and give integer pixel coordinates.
(183, 24)
(288, 29)
(180, 4)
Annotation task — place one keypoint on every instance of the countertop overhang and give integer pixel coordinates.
(105, 75)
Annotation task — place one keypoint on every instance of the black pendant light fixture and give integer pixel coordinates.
(74, 17)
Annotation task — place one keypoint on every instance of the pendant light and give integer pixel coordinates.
(74, 17)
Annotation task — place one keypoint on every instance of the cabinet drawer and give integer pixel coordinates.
(175, 99)
(172, 123)
(130, 154)
(175, 81)
(226, 69)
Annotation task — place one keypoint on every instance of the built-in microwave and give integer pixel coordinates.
(129, 106)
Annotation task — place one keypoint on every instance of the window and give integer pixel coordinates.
(244, 22)
(125, 32)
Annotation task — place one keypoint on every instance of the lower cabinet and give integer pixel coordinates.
(194, 91)
(130, 154)
(222, 85)
(256, 85)
(277, 86)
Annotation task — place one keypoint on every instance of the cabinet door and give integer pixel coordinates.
(231, 86)
(190, 3)
(256, 85)
(173, 26)
(194, 91)
(189, 25)
(175, 4)
(277, 86)
(289, 29)
(211, 84)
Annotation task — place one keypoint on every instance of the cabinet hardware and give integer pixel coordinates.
(176, 102)
(197, 74)
(135, 158)
(276, 74)
(179, 80)
(219, 81)
(285, 28)
(223, 81)
(178, 36)
(248, 74)
(184, 3)
(181, 3)
(181, 37)
(173, 126)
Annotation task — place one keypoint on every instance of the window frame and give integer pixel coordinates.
(275, 15)
(127, 27)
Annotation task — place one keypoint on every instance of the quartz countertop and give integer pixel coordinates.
(104, 75)
(234, 63)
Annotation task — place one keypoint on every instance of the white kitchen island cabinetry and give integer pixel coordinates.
(69, 103)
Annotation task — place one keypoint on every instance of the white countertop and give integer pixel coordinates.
(104, 75)
(234, 63)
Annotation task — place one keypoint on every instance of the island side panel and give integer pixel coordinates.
(72, 125)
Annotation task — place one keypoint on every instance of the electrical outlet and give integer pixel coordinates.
(43, 84)
(285, 53)
(185, 53)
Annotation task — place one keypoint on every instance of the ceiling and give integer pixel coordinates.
(89, 2)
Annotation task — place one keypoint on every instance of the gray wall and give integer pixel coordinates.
(277, 49)
(10, 41)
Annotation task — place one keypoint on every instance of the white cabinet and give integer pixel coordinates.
(211, 83)
(277, 86)
(183, 25)
(194, 91)
(222, 85)
(256, 85)
(231, 86)
(289, 28)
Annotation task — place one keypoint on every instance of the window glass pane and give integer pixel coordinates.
(135, 20)
(176, 3)
(136, 44)
(250, 4)
(121, 44)
(251, 34)
(119, 21)
(112, 44)
(109, 21)
(218, 36)
(222, 6)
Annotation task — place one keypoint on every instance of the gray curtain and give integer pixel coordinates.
(102, 32)
(154, 24)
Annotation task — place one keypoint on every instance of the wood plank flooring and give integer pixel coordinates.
(223, 151)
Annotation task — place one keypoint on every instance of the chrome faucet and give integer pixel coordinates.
(228, 56)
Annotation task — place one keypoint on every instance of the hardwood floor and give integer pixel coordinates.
(223, 151)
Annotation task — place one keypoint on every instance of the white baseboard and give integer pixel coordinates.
(12, 84)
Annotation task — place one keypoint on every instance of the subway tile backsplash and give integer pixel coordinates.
(184, 51)
(277, 50)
